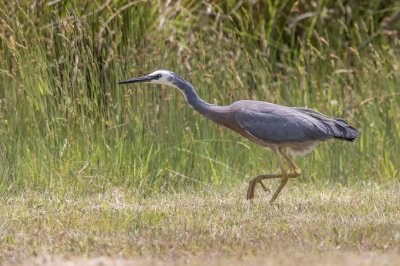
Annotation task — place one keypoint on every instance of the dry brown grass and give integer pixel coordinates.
(308, 224)
(277, 258)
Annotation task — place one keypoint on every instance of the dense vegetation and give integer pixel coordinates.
(66, 126)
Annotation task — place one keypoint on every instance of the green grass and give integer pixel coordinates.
(65, 123)
(120, 223)
(68, 132)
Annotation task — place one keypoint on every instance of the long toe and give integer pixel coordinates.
(264, 187)
(250, 191)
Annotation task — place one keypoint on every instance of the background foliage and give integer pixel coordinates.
(66, 125)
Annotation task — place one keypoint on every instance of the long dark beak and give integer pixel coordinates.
(136, 80)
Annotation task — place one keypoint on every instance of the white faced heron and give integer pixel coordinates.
(267, 124)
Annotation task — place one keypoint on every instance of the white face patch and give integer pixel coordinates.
(165, 79)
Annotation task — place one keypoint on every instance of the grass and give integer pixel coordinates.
(83, 129)
(281, 258)
(321, 221)
(73, 143)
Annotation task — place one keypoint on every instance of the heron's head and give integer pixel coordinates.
(163, 77)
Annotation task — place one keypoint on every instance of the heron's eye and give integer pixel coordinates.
(158, 76)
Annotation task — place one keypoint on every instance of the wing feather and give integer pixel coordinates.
(278, 124)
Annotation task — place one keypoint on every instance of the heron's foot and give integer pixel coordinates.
(252, 185)
(264, 187)
(250, 190)
(284, 180)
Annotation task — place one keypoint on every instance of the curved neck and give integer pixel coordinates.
(192, 98)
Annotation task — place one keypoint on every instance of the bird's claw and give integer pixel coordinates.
(264, 187)
(252, 186)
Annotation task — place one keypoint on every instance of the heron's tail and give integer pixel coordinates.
(342, 130)
(339, 128)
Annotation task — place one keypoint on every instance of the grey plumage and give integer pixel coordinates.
(267, 124)
(279, 124)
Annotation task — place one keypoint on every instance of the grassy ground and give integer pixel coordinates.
(89, 168)
(286, 257)
(333, 223)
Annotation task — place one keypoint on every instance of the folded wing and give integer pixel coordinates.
(278, 124)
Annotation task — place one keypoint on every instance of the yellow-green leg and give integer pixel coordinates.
(258, 179)
(284, 175)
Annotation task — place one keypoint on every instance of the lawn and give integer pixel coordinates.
(307, 223)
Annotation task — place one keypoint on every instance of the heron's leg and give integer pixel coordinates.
(285, 176)
(296, 169)
(257, 179)
(284, 180)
